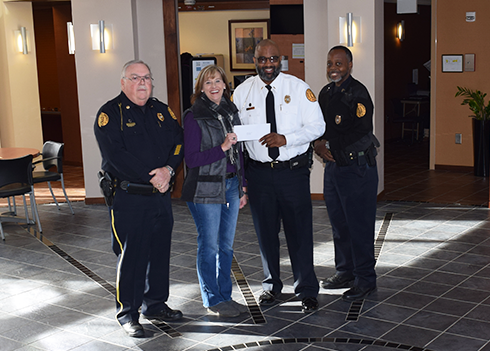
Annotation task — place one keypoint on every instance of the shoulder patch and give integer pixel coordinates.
(103, 119)
(361, 110)
(172, 113)
(231, 98)
(310, 96)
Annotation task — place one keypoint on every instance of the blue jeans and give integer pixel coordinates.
(216, 225)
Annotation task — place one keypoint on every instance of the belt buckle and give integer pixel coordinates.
(274, 162)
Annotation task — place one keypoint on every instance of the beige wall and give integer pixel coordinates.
(20, 112)
(207, 32)
(453, 35)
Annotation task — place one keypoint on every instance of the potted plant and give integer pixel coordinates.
(475, 100)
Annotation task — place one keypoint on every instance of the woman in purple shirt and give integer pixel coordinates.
(214, 186)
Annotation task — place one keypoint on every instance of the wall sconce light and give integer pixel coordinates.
(101, 36)
(400, 30)
(349, 29)
(21, 39)
(71, 38)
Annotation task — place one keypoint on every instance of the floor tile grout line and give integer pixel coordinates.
(399, 291)
(161, 325)
(438, 297)
(468, 312)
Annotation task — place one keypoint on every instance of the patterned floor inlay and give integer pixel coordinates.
(164, 327)
(381, 343)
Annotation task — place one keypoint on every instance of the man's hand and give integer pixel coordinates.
(273, 140)
(322, 151)
(161, 179)
(243, 199)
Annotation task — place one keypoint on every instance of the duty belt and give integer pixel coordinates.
(137, 188)
(296, 162)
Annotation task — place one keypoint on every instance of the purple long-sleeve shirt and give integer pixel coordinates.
(194, 157)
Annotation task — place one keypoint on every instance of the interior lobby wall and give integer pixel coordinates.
(454, 35)
(20, 122)
(207, 32)
(98, 75)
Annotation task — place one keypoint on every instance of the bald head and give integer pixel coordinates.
(267, 60)
(265, 43)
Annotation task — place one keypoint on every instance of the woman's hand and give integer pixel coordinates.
(230, 140)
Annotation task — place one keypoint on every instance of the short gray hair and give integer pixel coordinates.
(133, 62)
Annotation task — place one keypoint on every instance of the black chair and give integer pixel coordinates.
(52, 156)
(410, 121)
(15, 180)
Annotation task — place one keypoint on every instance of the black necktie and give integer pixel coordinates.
(271, 118)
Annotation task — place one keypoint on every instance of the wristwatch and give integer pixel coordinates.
(171, 170)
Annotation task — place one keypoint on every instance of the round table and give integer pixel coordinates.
(16, 152)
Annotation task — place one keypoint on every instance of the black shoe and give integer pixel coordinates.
(357, 293)
(309, 304)
(133, 329)
(166, 314)
(337, 281)
(268, 297)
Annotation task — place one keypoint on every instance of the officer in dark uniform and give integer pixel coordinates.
(351, 176)
(140, 142)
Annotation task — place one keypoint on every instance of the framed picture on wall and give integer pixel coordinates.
(452, 63)
(244, 35)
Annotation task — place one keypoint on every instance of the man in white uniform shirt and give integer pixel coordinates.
(278, 172)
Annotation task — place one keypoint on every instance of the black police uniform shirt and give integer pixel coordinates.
(134, 140)
(348, 113)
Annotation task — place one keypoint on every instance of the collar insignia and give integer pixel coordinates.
(172, 113)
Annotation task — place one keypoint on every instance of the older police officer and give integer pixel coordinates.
(140, 142)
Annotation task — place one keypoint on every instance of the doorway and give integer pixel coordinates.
(57, 78)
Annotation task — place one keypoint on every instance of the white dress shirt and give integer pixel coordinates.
(298, 114)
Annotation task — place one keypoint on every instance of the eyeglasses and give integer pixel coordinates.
(137, 79)
(263, 59)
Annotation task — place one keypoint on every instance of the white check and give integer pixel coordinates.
(251, 131)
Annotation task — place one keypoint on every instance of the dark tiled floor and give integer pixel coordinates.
(56, 290)
(408, 178)
(433, 294)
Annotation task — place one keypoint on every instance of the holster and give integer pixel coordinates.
(340, 157)
(303, 160)
(106, 186)
(370, 155)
